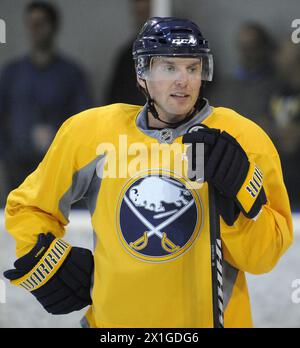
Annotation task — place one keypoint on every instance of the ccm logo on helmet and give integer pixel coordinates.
(192, 40)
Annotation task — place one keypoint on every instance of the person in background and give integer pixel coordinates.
(285, 115)
(249, 88)
(122, 87)
(255, 51)
(37, 93)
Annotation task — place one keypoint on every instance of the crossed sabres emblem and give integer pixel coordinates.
(152, 230)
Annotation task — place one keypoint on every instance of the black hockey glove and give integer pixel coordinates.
(226, 166)
(58, 275)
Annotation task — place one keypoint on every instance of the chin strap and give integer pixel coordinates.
(151, 106)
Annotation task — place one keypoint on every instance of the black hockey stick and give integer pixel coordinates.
(216, 253)
(216, 259)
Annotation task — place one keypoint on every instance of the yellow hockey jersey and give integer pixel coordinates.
(152, 242)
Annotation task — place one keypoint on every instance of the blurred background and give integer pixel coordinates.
(61, 57)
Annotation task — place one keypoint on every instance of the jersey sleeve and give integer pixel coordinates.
(42, 202)
(256, 245)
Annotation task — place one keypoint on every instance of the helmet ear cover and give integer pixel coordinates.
(142, 66)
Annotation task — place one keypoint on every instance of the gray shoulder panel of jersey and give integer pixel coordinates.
(86, 183)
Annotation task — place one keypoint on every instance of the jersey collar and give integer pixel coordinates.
(168, 135)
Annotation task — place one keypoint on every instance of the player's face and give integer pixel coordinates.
(174, 85)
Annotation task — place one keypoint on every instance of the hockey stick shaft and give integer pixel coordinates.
(216, 259)
(216, 251)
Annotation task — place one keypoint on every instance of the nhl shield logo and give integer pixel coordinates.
(158, 216)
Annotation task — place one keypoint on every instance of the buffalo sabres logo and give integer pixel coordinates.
(158, 217)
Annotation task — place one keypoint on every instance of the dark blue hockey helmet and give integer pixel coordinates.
(172, 37)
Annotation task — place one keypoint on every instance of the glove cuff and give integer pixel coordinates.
(47, 266)
(256, 208)
(250, 189)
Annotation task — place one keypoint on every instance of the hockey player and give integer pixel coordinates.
(151, 265)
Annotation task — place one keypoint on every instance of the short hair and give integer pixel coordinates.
(50, 10)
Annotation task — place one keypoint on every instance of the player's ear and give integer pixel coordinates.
(141, 82)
